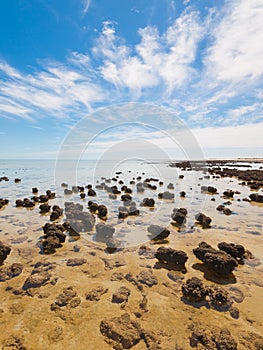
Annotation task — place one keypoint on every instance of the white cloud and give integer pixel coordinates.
(156, 60)
(237, 51)
(56, 90)
(242, 136)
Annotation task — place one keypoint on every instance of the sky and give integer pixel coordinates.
(62, 61)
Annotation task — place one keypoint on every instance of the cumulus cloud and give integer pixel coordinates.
(237, 52)
(157, 59)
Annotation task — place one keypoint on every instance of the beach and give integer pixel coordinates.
(77, 290)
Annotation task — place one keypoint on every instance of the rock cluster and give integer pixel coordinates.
(78, 220)
(54, 236)
(216, 260)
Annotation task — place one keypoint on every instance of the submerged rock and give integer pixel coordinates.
(104, 232)
(158, 232)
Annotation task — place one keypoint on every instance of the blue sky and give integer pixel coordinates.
(62, 60)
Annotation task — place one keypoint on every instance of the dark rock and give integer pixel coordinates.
(234, 312)
(56, 213)
(53, 237)
(91, 193)
(170, 255)
(221, 207)
(43, 198)
(126, 198)
(19, 203)
(102, 211)
(44, 208)
(148, 202)
(50, 195)
(123, 212)
(93, 207)
(255, 197)
(237, 251)
(225, 341)
(193, 290)
(204, 220)
(17, 180)
(179, 215)
(209, 189)
(216, 260)
(158, 232)
(227, 211)
(229, 193)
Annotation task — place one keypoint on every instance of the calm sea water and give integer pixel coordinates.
(44, 175)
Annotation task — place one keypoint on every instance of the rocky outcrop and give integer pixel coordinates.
(171, 256)
(68, 298)
(215, 260)
(121, 332)
(8, 272)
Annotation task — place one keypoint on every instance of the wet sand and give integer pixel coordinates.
(166, 320)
